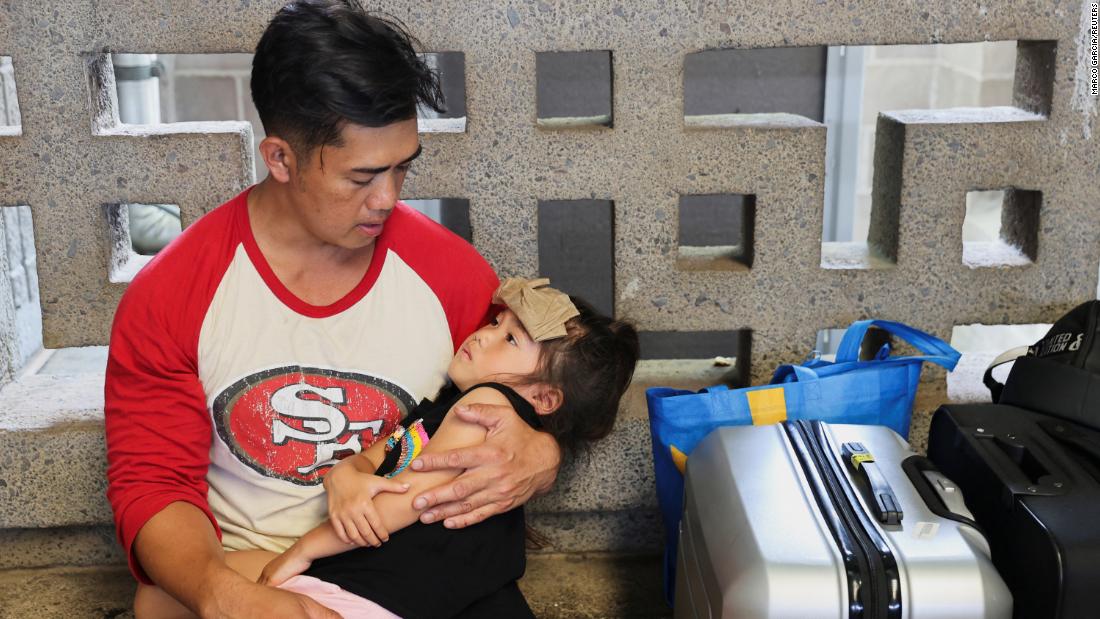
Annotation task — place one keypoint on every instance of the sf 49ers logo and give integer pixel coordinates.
(293, 423)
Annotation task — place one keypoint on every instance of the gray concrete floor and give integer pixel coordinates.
(558, 586)
(590, 586)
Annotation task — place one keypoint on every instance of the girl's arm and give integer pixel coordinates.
(395, 510)
(350, 507)
(321, 541)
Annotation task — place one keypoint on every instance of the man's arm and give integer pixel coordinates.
(158, 434)
(180, 534)
(514, 463)
(158, 430)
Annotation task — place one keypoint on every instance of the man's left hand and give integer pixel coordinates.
(514, 463)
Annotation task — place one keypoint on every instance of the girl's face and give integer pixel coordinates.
(495, 352)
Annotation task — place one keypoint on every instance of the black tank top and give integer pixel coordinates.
(427, 570)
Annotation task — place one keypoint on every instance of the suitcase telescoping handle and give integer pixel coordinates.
(1021, 462)
(886, 506)
(1085, 443)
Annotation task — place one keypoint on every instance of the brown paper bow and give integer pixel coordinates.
(542, 310)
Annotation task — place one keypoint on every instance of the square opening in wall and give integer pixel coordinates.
(573, 89)
(716, 232)
(874, 92)
(576, 240)
(1001, 228)
(156, 89)
(21, 304)
(10, 123)
(453, 213)
(828, 343)
(711, 356)
(732, 87)
(450, 67)
(137, 232)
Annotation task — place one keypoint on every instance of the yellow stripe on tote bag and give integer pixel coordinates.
(767, 406)
(679, 458)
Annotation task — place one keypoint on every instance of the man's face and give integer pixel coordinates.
(345, 193)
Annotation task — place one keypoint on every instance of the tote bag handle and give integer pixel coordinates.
(935, 350)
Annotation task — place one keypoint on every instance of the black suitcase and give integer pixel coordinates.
(1032, 482)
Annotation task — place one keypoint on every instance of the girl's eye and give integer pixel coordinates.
(512, 340)
(494, 321)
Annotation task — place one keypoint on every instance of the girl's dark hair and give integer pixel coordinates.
(323, 63)
(592, 365)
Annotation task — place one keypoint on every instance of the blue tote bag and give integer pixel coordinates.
(878, 391)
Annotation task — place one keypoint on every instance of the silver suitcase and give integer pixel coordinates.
(806, 520)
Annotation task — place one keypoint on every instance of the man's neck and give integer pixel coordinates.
(280, 232)
(319, 273)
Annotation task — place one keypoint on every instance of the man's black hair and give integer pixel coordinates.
(323, 63)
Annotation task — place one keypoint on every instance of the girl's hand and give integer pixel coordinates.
(283, 567)
(351, 508)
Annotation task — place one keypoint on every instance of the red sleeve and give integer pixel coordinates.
(461, 278)
(158, 428)
(469, 308)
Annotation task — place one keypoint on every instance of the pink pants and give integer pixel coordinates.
(349, 605)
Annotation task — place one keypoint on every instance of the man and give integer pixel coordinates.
(294, 325)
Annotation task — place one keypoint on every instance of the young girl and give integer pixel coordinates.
(562, 367)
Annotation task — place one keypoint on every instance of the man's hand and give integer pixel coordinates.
(514, 463)
(251, 600)
(351, 506)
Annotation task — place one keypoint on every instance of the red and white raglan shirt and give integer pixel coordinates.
(226, 391)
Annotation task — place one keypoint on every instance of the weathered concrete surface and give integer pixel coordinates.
(60, 546)
(556, 587)
(101, 592)
(52, 455)
(66, 168)
(592, 586)
(634, 529)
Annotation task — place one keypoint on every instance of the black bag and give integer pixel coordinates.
(1060, 374)
(1032, 482)
(1029, 467)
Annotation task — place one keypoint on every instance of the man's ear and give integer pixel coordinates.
(279, 158)
(547, 399)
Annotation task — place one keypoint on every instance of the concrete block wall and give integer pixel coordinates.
(926, 77)
(211, 87)
(22, 279)
(20, 326)
(72, 158)
(504, 163)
